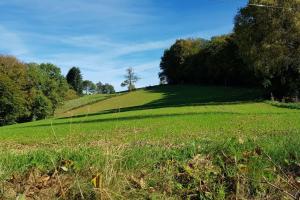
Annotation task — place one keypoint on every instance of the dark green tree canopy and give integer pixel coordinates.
(29, 91)
(175, 60)
(263, 50)
(198, 61)
(74, 79)
(99, 87)
(12, 102)
(108, 89)
(89, 87)
(55, 84)
(105, 88)
(269, 40)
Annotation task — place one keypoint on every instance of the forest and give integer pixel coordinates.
(30, 91)
(262, 51)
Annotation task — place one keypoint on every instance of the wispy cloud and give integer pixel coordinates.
(105, 59)
(103, 37)
(11, 43)
(98, 49)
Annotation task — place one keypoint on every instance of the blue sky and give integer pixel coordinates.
(104, 37)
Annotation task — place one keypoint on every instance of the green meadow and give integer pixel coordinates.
(163, 142)
(80, 102)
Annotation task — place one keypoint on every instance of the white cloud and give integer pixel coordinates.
(106, 52)
(99, 36)
(106, 62)
(105, 13)
(11, 43)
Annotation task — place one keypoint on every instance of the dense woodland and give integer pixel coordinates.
(262, 51)
(33, 91)
(197, 61)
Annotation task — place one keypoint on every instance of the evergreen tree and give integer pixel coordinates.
(74, 79)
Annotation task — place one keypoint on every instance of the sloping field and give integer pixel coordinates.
(167, 96)
(167, 142)
(81, 102)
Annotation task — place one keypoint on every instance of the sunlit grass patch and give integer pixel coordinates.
(154, 143)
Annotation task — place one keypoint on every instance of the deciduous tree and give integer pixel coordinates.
(88, 87)
(268, 34)
(130, 79)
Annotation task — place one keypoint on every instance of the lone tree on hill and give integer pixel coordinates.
(131, 79)
(74, 79)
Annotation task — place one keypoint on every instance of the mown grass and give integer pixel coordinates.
(80, 102)
(154, 143)
(169, 96)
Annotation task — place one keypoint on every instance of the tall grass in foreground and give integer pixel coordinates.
(199, 149)
(228, 168)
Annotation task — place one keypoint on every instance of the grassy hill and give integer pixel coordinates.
(70, 105)
(166, 96)
(165, 142)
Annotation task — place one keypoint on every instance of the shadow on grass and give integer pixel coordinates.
(141, 117)
(284, 105)
(191, 95)
(136, 117)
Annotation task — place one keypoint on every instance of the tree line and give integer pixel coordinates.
(262, 51)
(74, 78)
(30, 91)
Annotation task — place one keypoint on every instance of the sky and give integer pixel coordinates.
(104, 37)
